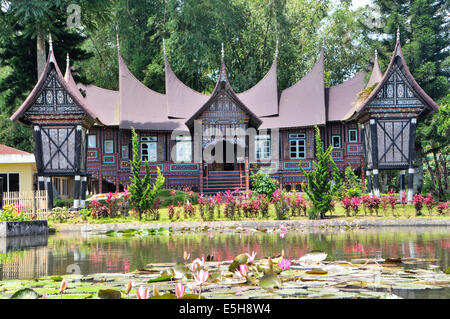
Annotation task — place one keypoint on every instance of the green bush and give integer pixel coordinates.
(10, 213)
(58, 202)
(263, 184)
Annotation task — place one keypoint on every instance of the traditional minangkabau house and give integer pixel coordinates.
(211, 150)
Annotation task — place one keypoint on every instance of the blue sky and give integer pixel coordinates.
(360, 3)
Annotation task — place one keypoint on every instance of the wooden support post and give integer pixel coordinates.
(412, 151)
(83, 191)
(369, 183)
(76, 192)
(247, 181)
(201, 179)
(411, 172)
(402, 184)
(376, 183)
(41, 183)
(50, 193)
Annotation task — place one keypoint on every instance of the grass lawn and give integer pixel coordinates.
(400, 212)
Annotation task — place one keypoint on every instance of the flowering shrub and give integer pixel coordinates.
(390, 200)
(263, 206)
(188, 210)
(418, 204)
(347, 205)
(12, 213)
(281, 204)
(442, 208)
(202, 208)
(373, 203)
(429, 202)
(356, 203)
(365, 202)
(211, 205)
(230, 205)
(171, 212)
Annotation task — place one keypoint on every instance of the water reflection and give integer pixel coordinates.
(97, 254)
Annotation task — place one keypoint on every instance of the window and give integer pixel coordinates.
(336, 141)
(353, 135)
(125, 152)
(149, 148)
(183, 149)
(297, 143)
(262, 145)
(92, 141)
(109, 147)
(10, 182)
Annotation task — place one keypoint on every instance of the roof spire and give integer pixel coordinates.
(276, 50)
(398, 33)
(118, 42)
(376, 54)
(223, 52)
(68, 59)
(164, 46)
(50, 42)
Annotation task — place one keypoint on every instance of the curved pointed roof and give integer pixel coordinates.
(342, 97)
(376, 75)
(182, 101)
(262, 98)
(302, 104)
(68, 86)
(224, 84)
(141, 107)
(397, 57)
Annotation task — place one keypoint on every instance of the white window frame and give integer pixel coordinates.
(108, 147)
(89, 141)
(183, 149)
(340, 141)
(297, 140)
(263, 146)
(356, 135)
(151, 143)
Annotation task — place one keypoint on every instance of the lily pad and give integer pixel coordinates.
(26, 293)
(317, 272)
(161, 278)
(314, 256)
(109, 294)
(270, 282)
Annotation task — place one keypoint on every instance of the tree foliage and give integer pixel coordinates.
(142, 191)
(321, 185)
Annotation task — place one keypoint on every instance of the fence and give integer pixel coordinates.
(32, 203)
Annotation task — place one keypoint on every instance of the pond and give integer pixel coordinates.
(89, 254)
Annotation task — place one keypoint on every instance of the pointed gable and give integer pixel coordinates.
(398, 88)
(53, 98)
(226, 101)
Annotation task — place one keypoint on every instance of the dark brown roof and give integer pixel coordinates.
(302, 104)
(69, 87)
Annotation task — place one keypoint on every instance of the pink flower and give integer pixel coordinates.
(143, 292)
(186, 256)
(211, 235)
(130, 285)
(201, 276)
(251, 258)
(44, 296)
(199, 262)
(193, 267)
(173, 192)
(63, 285)
(284, 264)
(243, 271)
(180, 290)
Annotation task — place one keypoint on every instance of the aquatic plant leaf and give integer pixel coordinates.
(161, 278)
(56, 278)
(317, 272)
(237, 262)
(447, 271)
(270, 282)
(111, 233)
(109, 294)
(26, 293)
(315, 256)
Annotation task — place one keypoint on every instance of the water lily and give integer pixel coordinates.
(63, 286)
(130, 285)
(186, 256)
(251, 258)
(180, 290)
(284, 264)
(193, 267)
(243, 271)
(143, 292)
(199, 262)
(201, 276)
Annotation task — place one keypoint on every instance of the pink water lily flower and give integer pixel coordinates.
(63, 285)
(143, 292)
(201, 276)
(243, 271)
(199, 262)
(284, 264)
(251, 258)
(180, 290)
(130, 285)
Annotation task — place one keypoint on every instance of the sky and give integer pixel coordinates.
(360, 3)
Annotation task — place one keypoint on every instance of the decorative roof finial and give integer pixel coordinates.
(323, 43)
(223, 52)
(376, 54)
(68, 59)
(50, 42)
(118, 42)
(164, 46)
(398, 34)
(276, 50)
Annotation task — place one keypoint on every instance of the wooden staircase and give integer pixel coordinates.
(221, 181)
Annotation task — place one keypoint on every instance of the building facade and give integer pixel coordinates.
(213, 142)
